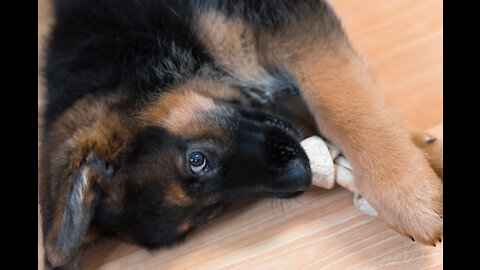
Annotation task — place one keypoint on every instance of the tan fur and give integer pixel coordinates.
(56, 256)
(220, 91)
(393, 173)
(91, 128)
(233, 45)
(183, 111)
(185, 226)
(177, 111)
(432, 148)
(92, 124)
(177, 196)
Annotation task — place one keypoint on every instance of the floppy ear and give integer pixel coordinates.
(78, 157)
(74, 209)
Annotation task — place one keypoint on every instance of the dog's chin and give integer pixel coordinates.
(288, 195)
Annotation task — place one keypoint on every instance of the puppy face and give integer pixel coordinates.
(152, 176)
(194, 155)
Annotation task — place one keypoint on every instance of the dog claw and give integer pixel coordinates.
(431, 141)
(439, 239)
(413, 239)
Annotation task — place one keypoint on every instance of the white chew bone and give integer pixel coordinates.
(334, 151)
(344, 177)
(328, 166)
(321, 163)
(342, 161)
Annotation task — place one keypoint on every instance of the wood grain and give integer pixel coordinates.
(403, 41)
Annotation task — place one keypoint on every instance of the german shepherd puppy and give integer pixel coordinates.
(161, 113)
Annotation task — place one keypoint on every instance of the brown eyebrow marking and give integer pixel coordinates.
(175, 111)
(186, 111)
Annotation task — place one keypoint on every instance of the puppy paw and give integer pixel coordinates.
(413, 204)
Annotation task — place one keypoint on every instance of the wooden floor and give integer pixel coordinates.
(403, 41)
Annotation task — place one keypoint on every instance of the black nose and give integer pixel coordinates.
(295, 178)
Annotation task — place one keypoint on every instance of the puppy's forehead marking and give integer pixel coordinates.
(186, 112)
(177, 111)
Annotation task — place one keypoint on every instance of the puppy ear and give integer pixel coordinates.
(79, 194)
(78, 156)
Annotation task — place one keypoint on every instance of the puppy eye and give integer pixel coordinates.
(197, 162)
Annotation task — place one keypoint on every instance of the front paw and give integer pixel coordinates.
(412, 204)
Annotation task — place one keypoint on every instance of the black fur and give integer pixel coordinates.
(141, 47)
(135, 50)
(134, 46)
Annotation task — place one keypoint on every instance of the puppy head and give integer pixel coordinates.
(188, 156)
(199, 153)
(236, 147)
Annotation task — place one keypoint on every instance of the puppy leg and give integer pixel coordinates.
(306, 41)
(391, 172)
